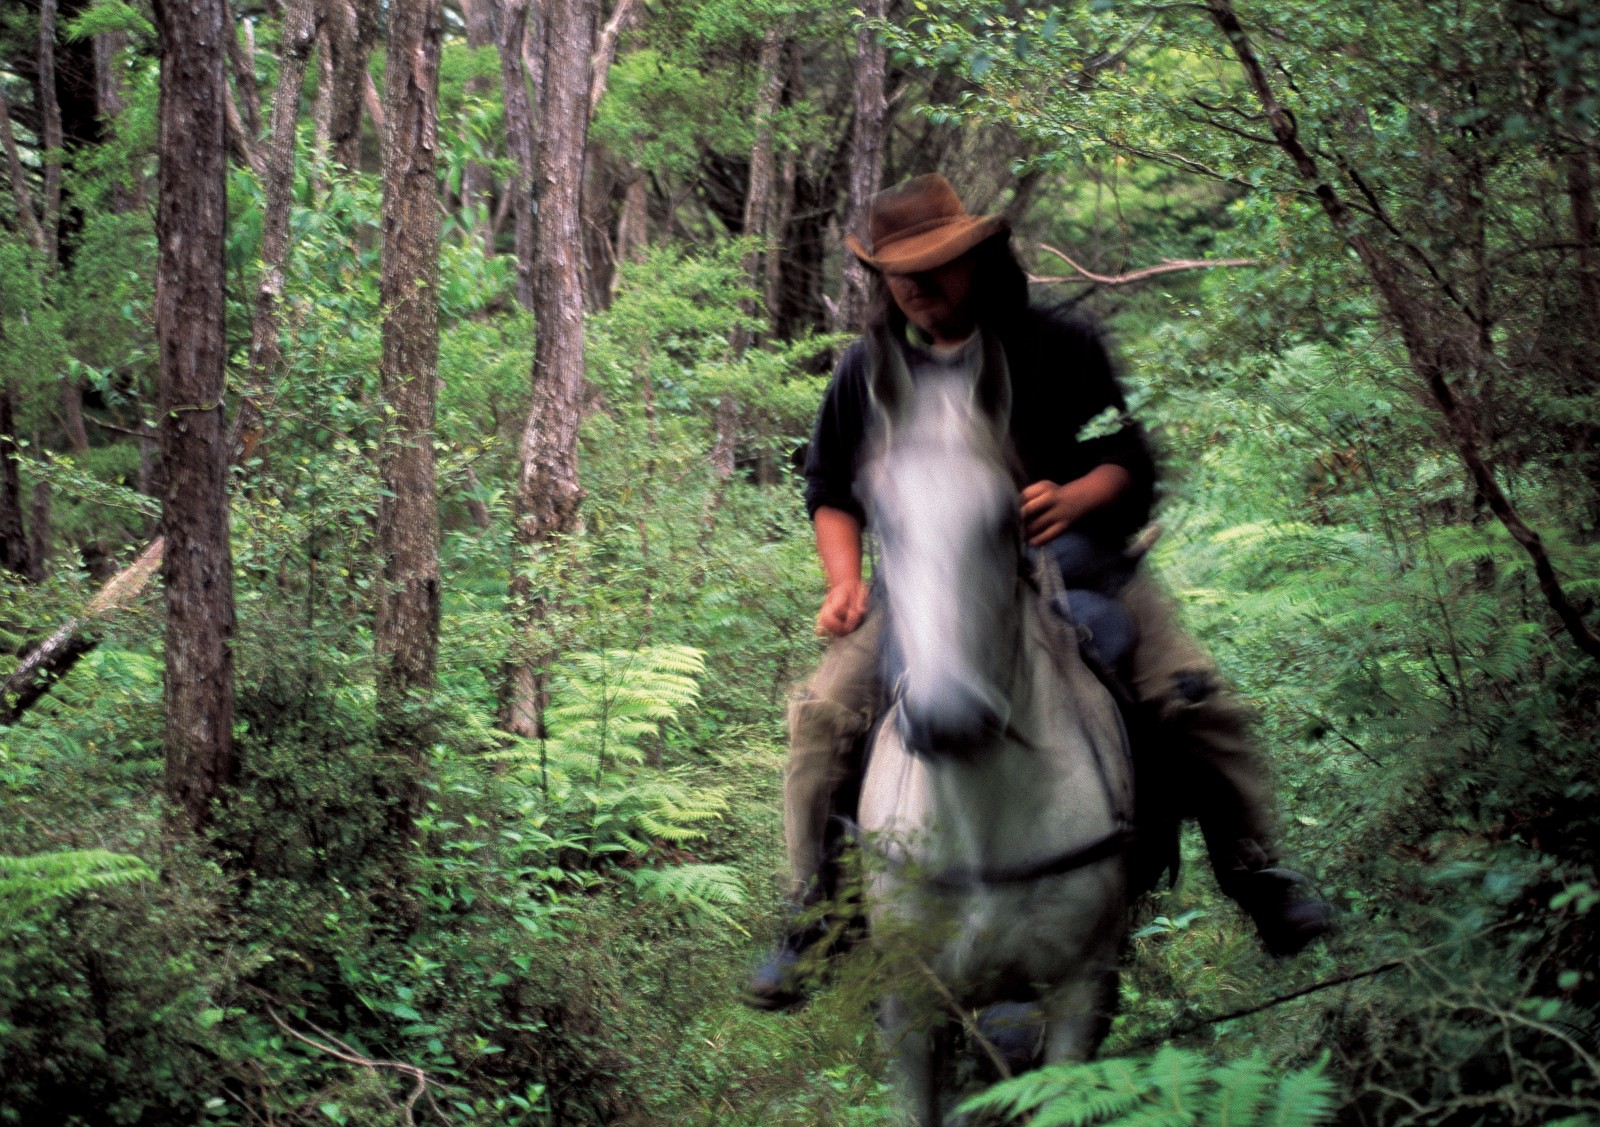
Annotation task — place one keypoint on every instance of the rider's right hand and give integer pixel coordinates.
(843, 608)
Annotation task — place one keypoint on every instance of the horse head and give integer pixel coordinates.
(943, 503)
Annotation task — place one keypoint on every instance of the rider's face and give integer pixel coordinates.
(937, 301)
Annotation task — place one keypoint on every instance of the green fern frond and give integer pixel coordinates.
(1304, 1097)
(1241, 1090)
(1175, 1088)
(28, 882)
(703, 892)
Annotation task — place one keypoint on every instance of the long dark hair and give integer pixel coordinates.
(999, 289)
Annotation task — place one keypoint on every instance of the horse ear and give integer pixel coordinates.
(991, 395)
(890, 380)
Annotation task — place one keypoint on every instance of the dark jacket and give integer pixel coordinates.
(1061, 378)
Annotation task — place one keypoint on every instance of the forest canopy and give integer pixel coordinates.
(403, 566)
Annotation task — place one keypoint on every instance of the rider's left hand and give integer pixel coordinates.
(1048, 510)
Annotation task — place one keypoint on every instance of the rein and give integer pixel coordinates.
(966, 878)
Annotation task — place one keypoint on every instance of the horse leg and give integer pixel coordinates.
(1078, 1015)
(913, 1039)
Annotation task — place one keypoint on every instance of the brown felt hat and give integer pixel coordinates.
(919, 225)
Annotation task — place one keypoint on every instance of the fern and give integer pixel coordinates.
(700, 892)
(1176, 1087)
(26, 883)
(606, 703)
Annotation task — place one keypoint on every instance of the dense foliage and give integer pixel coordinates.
(562, 936)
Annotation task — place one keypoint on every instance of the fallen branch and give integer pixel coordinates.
(49, 661)
(1168, 266)
(1233, 1015)
(341, 1051)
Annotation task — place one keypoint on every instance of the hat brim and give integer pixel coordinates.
(927, 250)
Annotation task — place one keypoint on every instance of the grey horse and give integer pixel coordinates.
(999, 788)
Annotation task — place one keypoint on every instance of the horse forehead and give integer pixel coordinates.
(943, 452)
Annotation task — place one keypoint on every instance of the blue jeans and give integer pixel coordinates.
(1093, 575)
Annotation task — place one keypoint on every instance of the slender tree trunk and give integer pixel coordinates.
(14, 553)
(198, 568)
(782, 213)
(407, 633)
(633, 225)
(352, 29)
(322, 102)
(1585, 223)
(243, 63)
(757, 215)
(50, 132)
(26, 216)
(511, 26)
(548, 493)
(39, 532)
(72, 415)
(51, 135)
(299, 35)
(477, 185)
(866, 158)
(1434, 344)
(109, 103)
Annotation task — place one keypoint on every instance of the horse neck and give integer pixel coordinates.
(1053, 780)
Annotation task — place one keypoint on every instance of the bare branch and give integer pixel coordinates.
(340, 1051)
(1168, 266)
(605, 51)
(51, 659)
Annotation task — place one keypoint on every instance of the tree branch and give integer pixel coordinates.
(1433, 359)
(605, 51)
(1168, 266)
(342, 1052)
(49, 661)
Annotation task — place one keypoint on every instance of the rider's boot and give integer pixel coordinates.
(813, 933)
(1288, 911)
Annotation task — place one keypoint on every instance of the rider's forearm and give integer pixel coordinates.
(1098, 488)
(839, 545)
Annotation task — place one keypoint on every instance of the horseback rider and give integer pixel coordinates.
(945, 280)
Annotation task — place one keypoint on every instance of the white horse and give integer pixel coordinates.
(999, 791)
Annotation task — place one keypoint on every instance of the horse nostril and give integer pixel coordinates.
(954, 722)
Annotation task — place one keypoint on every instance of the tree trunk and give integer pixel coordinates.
(72, 415)
(477, 185)
(633, 225)
(109, 104)
(14, 554)
(407, 634)
(757, 213)
(866, 160)
(190, 277)
(352, 28)
(1580, 193)
(299, 35)
(39, 532)
(511, 26)
(50, 132)
(243, 63)
(27, 218)
(322, 102)
(547, 483)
